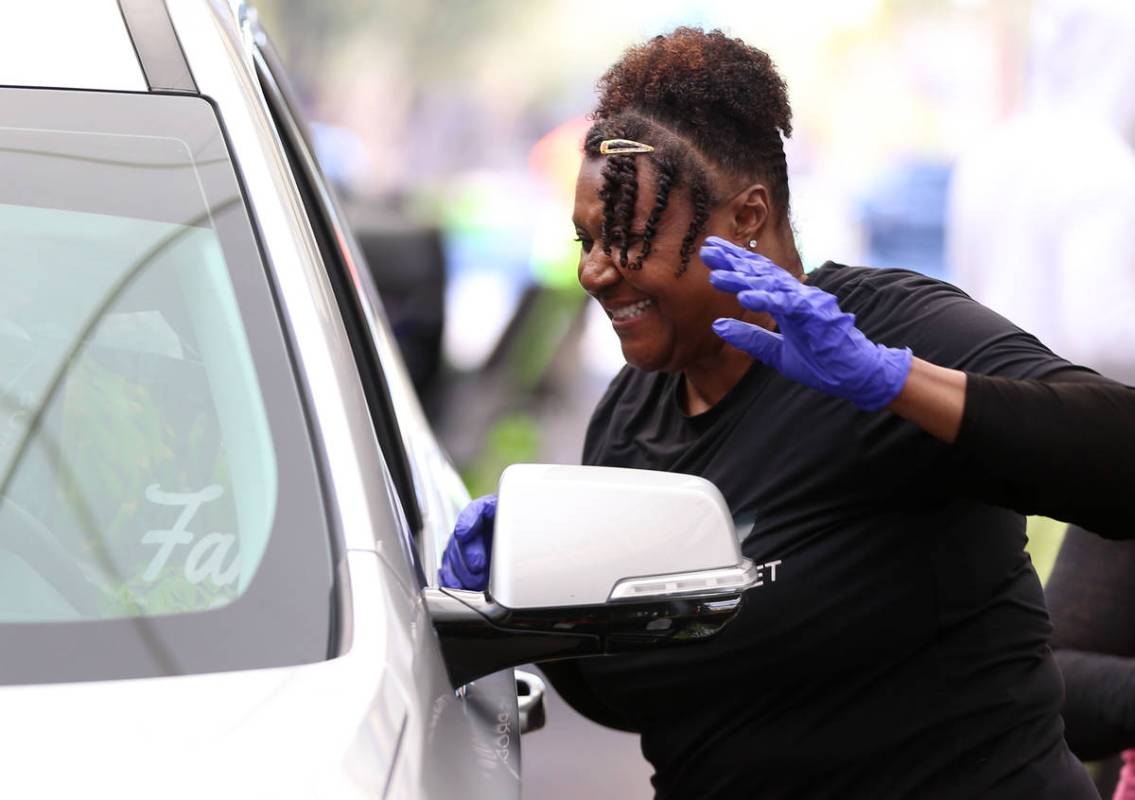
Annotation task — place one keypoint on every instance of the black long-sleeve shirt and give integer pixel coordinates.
(1063, 447)
(1091, 592)
(903, 648)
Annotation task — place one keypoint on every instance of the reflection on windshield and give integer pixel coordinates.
(145, 396)
(124, 368)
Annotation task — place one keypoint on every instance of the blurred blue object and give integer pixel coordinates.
(903, 217)
(342, 155)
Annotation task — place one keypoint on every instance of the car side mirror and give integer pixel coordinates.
(591, 561)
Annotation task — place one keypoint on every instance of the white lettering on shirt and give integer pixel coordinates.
(771, 567)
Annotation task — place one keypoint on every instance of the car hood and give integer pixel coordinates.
(281, 733)
(328, 730)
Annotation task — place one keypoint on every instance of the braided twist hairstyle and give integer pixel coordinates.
(709, 105)
(675, 165)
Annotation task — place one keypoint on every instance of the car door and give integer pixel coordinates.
(429, 491)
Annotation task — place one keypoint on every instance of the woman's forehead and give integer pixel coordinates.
(590, 175)
(590, 182)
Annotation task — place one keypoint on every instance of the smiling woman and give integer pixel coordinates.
(680, 183)
(644, 308)
(877, 436)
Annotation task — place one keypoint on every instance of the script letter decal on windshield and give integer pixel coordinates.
(206, 558)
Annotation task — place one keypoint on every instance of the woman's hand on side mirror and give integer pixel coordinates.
(465, 562)
(817, 345)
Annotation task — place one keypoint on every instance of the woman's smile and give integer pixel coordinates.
(626, 315)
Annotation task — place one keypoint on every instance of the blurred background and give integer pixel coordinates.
(452, 130)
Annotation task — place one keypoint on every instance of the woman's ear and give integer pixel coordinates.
(751, 213)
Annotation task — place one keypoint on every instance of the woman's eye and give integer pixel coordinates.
(633, 245)
(584, 242)
(633, 239)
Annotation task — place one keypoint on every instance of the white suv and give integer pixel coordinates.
(221, 507)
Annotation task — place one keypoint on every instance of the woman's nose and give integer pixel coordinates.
(597, 271)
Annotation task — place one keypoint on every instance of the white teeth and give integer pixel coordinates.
(631, 311)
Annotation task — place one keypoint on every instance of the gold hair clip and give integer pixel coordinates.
(622, 147)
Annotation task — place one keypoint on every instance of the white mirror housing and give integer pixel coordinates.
(579, 536)
(592, 561)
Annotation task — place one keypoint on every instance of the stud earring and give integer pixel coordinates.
(752, 244)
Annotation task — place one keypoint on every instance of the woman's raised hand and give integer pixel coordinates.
(817, 344)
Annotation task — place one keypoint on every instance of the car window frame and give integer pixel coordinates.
(134, 661)
(339, 267)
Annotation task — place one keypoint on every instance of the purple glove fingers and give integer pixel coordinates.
(731, 281)
(732, 256)
(474, 518)
(465, 561)
(455, 572)
(818, 345)
(744, 263)
(773, 302)
(781, 292)
(446, 577)
(763, 345)
(743, 284)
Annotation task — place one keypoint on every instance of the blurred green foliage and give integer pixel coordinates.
(116, 436)
(541, 333)
(514, 438)
(1045, 536)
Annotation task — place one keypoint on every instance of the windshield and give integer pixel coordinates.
(159, 505)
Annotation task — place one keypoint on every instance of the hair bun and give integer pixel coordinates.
(698, 81)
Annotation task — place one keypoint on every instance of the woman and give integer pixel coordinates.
(902, 650)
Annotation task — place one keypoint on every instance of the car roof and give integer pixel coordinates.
(117, 45)
(67, 44)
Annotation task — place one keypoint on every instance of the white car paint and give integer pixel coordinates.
(380, 720)
(78, 44)
(332, 729)
(601, 520)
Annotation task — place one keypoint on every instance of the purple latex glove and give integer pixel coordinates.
(465, 562)
(818, 345)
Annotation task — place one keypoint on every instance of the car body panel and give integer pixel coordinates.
(80, 44)
(440, 493)
(216, 52)
(218, 39)
(380, 718)
(339, 728)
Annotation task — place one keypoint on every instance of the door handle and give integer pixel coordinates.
(530, 691)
